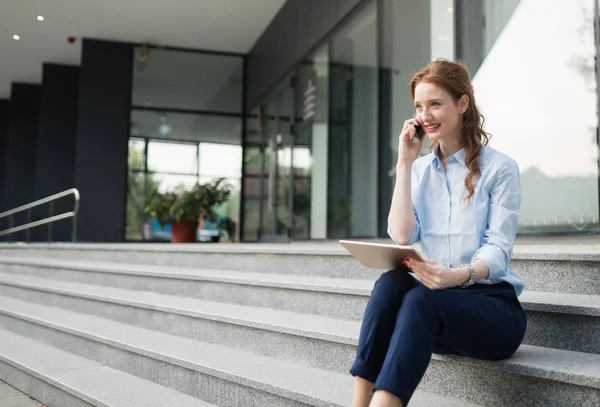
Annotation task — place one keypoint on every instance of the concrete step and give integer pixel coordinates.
(556, 320)
(563, 321)
(551, 268)
(305, 339)
(312, 340)
(333, 297)
(213, 372)
(59, 378)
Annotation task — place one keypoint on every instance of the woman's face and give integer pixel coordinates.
(437, 111)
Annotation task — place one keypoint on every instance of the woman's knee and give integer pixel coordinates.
(394, 283)
(421, 298)
(390, 289)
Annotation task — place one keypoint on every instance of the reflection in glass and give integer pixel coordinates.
(186, 127)
(352, 201)
(137, 185)
(253, 168)
(252, 200)
(187, 80)
(311, 140)
(136, 158)
(134, 221)
(283, 158)
(546, 119)
(430, 25)
(254, 160)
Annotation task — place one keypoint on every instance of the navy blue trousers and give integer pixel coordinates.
(406, 322)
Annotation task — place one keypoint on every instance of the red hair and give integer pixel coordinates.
(454, 78)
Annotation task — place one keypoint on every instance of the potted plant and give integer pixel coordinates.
(183, 209)
(227, 228)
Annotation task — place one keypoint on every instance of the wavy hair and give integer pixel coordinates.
(453, 77)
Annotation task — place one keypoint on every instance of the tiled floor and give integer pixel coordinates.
(11, 397)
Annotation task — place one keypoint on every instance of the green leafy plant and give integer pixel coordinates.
(199, 202)
(227, 228)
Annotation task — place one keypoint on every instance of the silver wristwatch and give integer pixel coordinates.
(472, 277)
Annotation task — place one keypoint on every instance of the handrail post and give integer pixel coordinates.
(49, 220)
(28, 233)
(51, 213)
(75, 228)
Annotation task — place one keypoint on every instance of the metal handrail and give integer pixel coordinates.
(49, 220)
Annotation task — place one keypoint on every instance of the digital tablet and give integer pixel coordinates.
(380, 255)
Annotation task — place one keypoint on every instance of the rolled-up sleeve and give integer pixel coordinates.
(415, 236)
(499, 236)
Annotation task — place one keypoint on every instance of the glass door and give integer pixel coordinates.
(277, 191)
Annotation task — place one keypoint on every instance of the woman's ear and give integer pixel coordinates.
(463, 103)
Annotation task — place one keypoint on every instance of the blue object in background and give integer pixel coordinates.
(209, 231)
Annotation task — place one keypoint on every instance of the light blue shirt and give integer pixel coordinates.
(452, 233)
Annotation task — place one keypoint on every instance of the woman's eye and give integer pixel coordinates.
(435, 104)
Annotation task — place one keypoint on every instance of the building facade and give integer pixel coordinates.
(305, 125)
(331, 173)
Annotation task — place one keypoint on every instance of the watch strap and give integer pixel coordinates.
(472, 276)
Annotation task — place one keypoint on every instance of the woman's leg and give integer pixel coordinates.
(363, 391)
(376, 331)
(461, 321)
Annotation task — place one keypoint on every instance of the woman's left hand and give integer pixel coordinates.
(434, 275)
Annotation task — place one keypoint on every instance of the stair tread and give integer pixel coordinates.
(85, 378)
(531, 300)
(286, 321)
(564, 365)
(340, 285)
(311, 325)
(561, 302)
(303, 383)
(523, 250)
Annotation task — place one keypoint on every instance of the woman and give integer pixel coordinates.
(461, 202)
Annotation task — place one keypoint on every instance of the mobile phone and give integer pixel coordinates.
(420, 131)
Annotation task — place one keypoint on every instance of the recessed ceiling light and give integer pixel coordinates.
(16, 37)
(40, 18)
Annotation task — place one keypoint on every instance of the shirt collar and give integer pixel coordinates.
(458, 156)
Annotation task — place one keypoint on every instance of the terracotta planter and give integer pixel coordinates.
(183, 232)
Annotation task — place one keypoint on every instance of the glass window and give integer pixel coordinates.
(136, 199)
(253, 161)
(231, 208)
(537, 89)
(186, 127)
(220, 160)
(430, 27)
(137, 154)
(311, 148)
(187, 80)
(353, 140)
(172, 183)
(252, 207)
(172, 157)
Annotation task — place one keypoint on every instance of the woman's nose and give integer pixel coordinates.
(425, 115)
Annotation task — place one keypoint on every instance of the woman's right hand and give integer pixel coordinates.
(408, 144)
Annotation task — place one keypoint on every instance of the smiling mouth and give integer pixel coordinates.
(432, 128)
